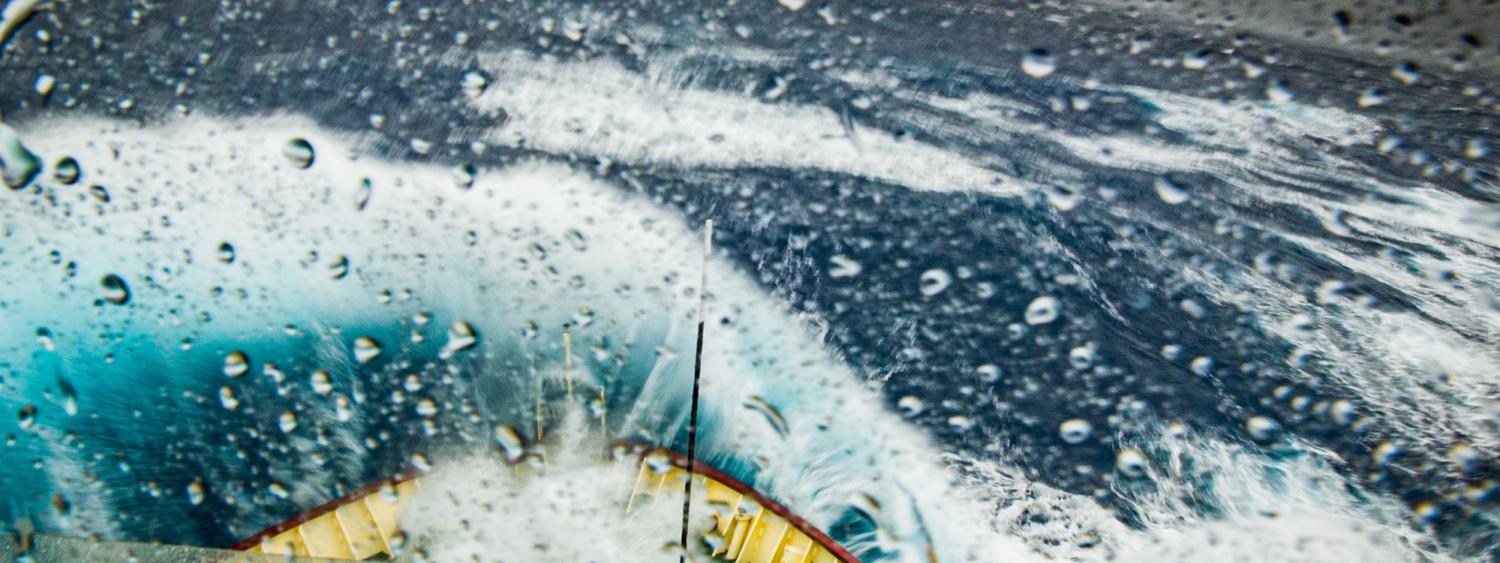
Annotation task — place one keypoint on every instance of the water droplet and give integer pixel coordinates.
(226, 253)
(100, 193)
(362, 194)
(1042, 310)
(988, 373)
(935, 281)
(114, 289)
(339, 269)
(1082, 357)
(195, 493)
(576, 240)
(1370, 98)
(18, 166)
(44, 337)
(1075, 431)
(1262, 429)
(421, 146)
(397, 543)
(529, 330)
(299, 152)
(1385, 453)
(288, 422)
(227, 398)
(1131, 463)
(961, 423)
(510, 443)
(474, 83)
(236, 364)
(766, 409)
(66, 171)
(427, 408)
(322, 382)
(1038, 63)
(463, 176)
(1277, 92)
(69, 396)
(461, 337)
(26, 417)
(1063, 198)
(278, 490)
(1170, 193)
(366, 349)
(658, 461)
(844, 267)
(911, 405)
(44, 85)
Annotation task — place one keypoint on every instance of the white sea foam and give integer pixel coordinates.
(223, 180)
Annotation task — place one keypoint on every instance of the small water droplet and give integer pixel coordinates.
(844, 267)
(236, 364)
(461, 336)
(911, 405)
(114, 289)
(195, 493)
(226, 253)
(510, 443)
(427, 408)
(934, 281)
(1042, 310)
(463, 176)
(278, 490)
(576, 240)
(339, 268)
(66, 171)
(1075, 431)
(299, 152)
(1038, 63)
(227, 398)
(1131, 463)
(474, 83)
(362, 194)
(1262, 429)
(366, 349)
(1170, 193)
(26, 417)
(988, 373)
(1277, 92)
(322, 382)
(773, 415)
(288, 422)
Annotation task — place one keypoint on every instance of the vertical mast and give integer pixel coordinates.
(687, 499)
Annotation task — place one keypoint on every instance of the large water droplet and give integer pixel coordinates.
(299, 152)
(1042, 310)
(114, 289)
(1038, 63)
(236, 364)
(366, 349)
(18, 166)
(911, 405)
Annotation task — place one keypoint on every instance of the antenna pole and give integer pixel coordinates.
(692, 453)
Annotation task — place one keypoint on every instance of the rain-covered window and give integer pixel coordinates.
(1149, 280)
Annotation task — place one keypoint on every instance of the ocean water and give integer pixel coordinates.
(991, 282)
